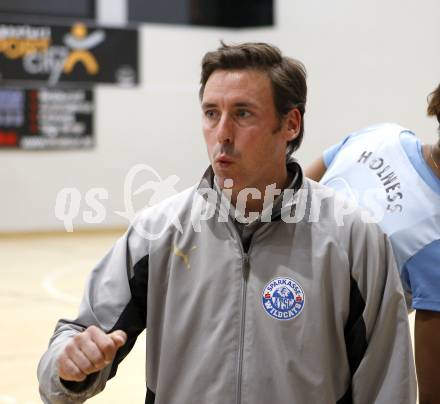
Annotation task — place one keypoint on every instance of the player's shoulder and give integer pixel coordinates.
(165, 217)
(384, 130)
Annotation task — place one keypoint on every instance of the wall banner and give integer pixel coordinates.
(52, 55)
(46, 118)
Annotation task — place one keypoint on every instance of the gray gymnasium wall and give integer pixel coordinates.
(368, 62)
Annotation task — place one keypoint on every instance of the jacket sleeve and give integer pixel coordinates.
(377, 330)
(114, 298)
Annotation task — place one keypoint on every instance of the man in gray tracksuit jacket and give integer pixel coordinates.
(295, 306)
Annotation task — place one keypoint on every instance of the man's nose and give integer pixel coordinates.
(225, 130)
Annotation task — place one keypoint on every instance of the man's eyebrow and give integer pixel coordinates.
(206, 105)
(239, 104)
(242, 104)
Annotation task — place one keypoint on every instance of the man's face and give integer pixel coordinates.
(245, 139)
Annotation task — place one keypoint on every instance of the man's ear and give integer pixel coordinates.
(293, 124)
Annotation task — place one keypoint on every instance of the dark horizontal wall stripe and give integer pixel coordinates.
(54, 8)
(220, 13)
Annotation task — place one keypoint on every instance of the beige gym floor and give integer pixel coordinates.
(42, 278)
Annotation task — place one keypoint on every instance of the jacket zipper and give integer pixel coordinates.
(242, 325)
(245, 274)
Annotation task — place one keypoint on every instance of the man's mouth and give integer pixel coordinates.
(223, 160)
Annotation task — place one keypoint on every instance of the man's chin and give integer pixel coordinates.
(224, 182)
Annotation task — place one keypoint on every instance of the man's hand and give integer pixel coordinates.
(89, 352)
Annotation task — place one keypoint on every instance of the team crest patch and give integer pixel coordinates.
(283, 298)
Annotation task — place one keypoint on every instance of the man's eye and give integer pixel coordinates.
(211, 114)
(242, 113)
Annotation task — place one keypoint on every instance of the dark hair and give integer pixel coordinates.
(434, 104)
(287, 76)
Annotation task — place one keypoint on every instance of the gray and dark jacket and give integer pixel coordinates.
(312, 312)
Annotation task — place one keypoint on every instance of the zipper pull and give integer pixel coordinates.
(245, 259)
(246, 266)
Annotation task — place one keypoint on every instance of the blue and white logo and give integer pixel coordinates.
(283, 298)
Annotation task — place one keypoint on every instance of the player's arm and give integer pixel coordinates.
(316, 170)
(84, 353)
(427, 347)
(421, 273)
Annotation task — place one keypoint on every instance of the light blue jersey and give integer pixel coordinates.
(409, 193)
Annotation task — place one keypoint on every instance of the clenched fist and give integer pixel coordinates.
(89, 352)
